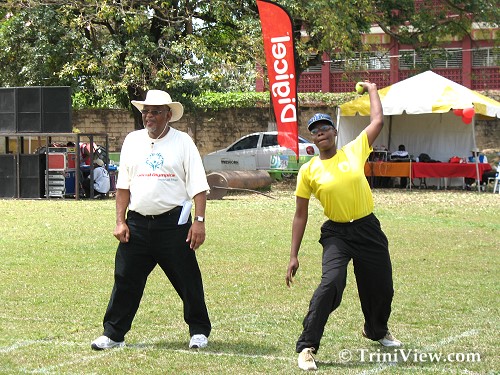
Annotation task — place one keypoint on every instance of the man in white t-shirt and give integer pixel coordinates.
(161, 173)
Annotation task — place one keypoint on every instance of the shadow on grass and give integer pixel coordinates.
(215, 347)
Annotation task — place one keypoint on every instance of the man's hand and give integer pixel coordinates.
(122, 232)
(196, 235)
(293, 266)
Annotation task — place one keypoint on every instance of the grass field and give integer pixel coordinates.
(56, 274)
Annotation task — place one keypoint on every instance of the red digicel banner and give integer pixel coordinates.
(280, 59)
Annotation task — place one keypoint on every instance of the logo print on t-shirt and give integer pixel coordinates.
(344, 166)
(154, 160)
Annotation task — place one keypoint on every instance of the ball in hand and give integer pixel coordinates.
(360, 89)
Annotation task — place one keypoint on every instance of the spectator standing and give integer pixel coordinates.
(161, 172)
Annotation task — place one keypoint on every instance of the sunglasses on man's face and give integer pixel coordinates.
(322, 128)
(154, 112)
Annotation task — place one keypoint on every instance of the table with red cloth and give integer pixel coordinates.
(425, 170)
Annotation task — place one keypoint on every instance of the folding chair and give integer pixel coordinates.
(497, 183)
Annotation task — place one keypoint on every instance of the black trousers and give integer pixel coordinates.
(155, 240)
(365, 243)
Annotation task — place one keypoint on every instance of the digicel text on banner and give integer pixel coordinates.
(280, 58)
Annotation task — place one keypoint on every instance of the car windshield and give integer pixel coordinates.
(251, 141)
(245, 143)
(269, 140)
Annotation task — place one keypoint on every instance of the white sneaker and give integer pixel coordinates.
(198, 341)
(306, 359)
(390, 341)
(104, 342)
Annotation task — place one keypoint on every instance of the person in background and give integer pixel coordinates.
(492, 173)
(352, 231)
(161, 172)
(85, 152)
(475, 153)
(101, 180)
(401, 154)
(481, 158)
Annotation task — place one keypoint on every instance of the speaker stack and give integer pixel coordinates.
(8, 120)
(8, 176)
(33, 110)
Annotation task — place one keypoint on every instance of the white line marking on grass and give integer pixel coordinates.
(17, 345)
(222, 354)
(22, 344)
(448, 340)
(51, 369)
(101, 354)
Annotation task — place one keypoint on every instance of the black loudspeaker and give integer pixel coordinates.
(30, 176)
(35, 109)
(56, 109)
(8, 176)
(29, 109)
(7, 110)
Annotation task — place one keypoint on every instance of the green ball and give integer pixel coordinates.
(359, 88)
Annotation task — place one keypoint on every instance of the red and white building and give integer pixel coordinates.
(472, 61)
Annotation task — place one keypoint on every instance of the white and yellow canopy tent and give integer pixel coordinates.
(419, 113)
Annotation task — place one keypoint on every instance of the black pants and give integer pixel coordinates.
(365, 243)
(159, 240)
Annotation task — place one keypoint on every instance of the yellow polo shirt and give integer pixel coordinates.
(339, 183)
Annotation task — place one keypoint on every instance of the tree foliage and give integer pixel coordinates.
(337, 27)
(112, 51)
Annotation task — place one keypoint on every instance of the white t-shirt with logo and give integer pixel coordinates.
(160, 174)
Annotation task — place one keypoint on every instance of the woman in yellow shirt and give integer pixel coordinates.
(336, 178)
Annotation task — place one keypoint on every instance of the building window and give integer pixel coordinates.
(486, 57)
(407, 59)
(374, 60)
(379, 61)
(437, 58)
(449, 58)
(313, 68)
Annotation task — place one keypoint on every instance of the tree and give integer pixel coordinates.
(337, 27)
(110, 52)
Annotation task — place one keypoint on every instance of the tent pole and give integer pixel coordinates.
(390, 131)
(476, 159)
(411, 177)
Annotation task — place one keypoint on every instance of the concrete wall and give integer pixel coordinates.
(115, 122)
(215, 130)
(210, 130)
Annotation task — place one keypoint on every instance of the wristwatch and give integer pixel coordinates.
(201, 219)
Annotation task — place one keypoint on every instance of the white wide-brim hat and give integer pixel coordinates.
(158, 97)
